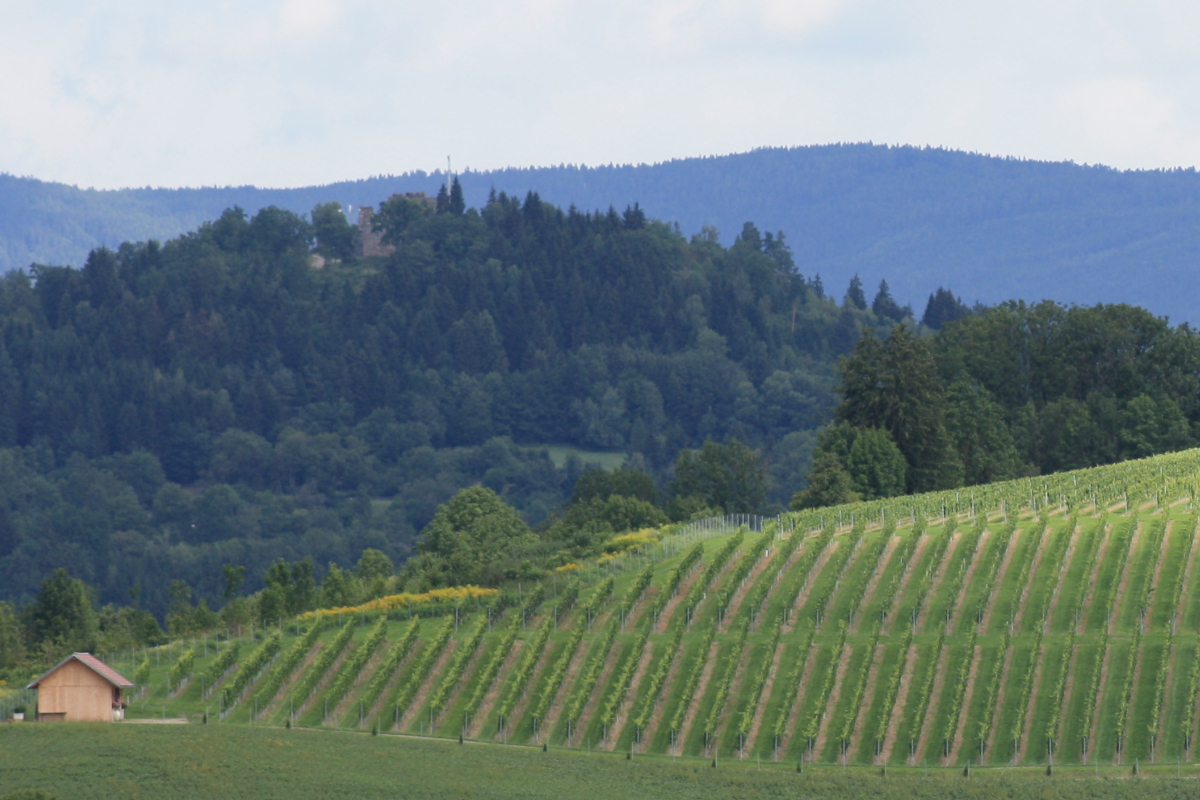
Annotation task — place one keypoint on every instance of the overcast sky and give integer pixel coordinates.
(296, 92)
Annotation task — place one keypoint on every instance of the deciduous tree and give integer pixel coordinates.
(61, 619)
(473, 530)
(893, 385)
(829, 484)
(726, 476)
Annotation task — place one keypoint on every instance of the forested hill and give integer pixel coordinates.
(253, 391)
(165, 410)
(991, 229)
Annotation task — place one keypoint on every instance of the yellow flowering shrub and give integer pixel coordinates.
(407, 600)
(628, 541)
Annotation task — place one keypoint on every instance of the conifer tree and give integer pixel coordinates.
(943, 308)
(845, 332)
(457, 204)
(885, 307)
(854, 294)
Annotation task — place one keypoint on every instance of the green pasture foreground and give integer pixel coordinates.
(146, 761)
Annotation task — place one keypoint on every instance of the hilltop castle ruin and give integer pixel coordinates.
(370, 240)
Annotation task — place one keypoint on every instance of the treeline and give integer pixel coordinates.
(601, 330)
(475, 538)
(225, 398)
(992, 228)
(166, 549)
(220, 398)
(64, 617)
(1005, 392)
(118, 523)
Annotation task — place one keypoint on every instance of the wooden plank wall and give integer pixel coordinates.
(77, 692)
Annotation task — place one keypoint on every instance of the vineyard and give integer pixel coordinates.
(1047, 620)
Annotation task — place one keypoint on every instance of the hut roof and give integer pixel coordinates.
(91, 662)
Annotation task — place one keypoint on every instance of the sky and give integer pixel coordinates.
(286, 93)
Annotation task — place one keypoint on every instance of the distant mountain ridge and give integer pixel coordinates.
(988, 228)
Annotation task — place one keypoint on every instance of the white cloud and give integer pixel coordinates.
(290, 92)
(798, 16)
(307, 16)
(1121, 114)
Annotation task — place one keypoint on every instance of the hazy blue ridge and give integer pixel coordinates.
(988, 228)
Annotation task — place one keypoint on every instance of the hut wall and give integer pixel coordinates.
(77, 693)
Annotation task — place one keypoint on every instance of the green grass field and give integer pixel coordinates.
(171, 761)
(559, 453)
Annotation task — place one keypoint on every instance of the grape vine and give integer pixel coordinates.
(428, 658)
(456, 668)
(356, 662)
(271, 684)
(391, 662)
(328, 655)
(524, 671)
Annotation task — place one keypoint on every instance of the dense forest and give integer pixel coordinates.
(1004, 392)
(170, 408)
(253, 393)
(992, 228)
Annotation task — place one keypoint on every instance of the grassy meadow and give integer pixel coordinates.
(161, 762)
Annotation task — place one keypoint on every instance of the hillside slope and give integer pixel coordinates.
(1010, 623)
(989, 228)
(266, 407)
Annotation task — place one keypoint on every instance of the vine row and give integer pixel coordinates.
(429, 657)
(356, 662)
(456, 668)
(308, 684)
(391, 663)
(524, 671)
(273, 682)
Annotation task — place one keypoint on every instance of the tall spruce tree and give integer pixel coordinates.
(854, 294)
(845, 332)
(457, 204)
(943, 308)
(885, 307)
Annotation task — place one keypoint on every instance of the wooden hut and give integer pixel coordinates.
(81, 687)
